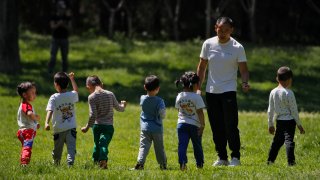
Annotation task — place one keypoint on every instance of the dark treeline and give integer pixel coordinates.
(271, 21)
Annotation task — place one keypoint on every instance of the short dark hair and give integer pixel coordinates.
(188, 79)
(225, 20)
(24, 87)
(284, 73)
(151, 82)
(94, 80)
(62, 79)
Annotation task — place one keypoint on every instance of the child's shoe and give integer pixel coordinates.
(103, 164)
(183, 167)
(199, 166)
(163, 167)
(138, 167)
(270, 163)
(291, 163)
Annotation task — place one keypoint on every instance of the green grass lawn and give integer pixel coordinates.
(122, 65)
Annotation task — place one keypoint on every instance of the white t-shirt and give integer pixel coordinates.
(62, 105)
(187, 103)
(223, 62)
(282, 106)
(24, 122)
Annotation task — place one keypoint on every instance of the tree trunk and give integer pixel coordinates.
(208, 18)
(174, 17)
(112, 12)
(250, 7)
(9, 47)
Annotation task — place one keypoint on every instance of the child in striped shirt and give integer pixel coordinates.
(101, 105)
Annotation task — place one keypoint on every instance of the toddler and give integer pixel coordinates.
(283, 109)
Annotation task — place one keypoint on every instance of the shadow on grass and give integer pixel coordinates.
(305, 87)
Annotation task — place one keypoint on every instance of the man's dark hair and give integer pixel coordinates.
(284, 73)
(151, 82)
(61, 79)
(225, 20)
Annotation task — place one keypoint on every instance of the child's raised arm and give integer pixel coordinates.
(73, 82)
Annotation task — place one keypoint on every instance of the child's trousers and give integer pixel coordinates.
(146, 139)
(102, 135)
(26, 137)
(284, 134)
(68, 137)
(185, 133)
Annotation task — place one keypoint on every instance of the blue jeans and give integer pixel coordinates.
(185, 133)
(63, 45)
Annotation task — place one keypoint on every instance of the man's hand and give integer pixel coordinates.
(271, 130)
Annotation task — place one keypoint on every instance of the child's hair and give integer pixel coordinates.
(284, 73)
(94, 80)
(151, 82)
(62, 79)
(188, 79)
(24, 87)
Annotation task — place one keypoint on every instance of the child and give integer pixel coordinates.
(27, 120)
(152, 114)
(61, 108)
(283, 109)
(101, 104)
(190, 119)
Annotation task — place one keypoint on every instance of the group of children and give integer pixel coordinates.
(61, 109)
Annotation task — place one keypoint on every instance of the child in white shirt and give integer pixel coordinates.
(283, 109)
(190, 119)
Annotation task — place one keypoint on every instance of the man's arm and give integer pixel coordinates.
(201, 70)
(244, 72)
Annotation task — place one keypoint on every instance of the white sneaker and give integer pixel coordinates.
(221, 162)
(235, 162)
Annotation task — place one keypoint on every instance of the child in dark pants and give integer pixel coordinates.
(190, 119)
(283, 109)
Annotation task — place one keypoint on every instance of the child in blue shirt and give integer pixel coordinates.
(152, 114)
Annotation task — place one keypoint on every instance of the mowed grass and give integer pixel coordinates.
(125, 145)
(122, 65)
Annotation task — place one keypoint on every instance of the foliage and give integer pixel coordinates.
(288, 22)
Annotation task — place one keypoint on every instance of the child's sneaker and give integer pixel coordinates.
(183, 167)
(103, 164)
(138, 167)
(199, 166)
(270, 163)
(235, 162)
(221, 162)
(291, 163)
(163, 167)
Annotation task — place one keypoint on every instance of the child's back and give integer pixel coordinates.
(61, 108)
(151, 114)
